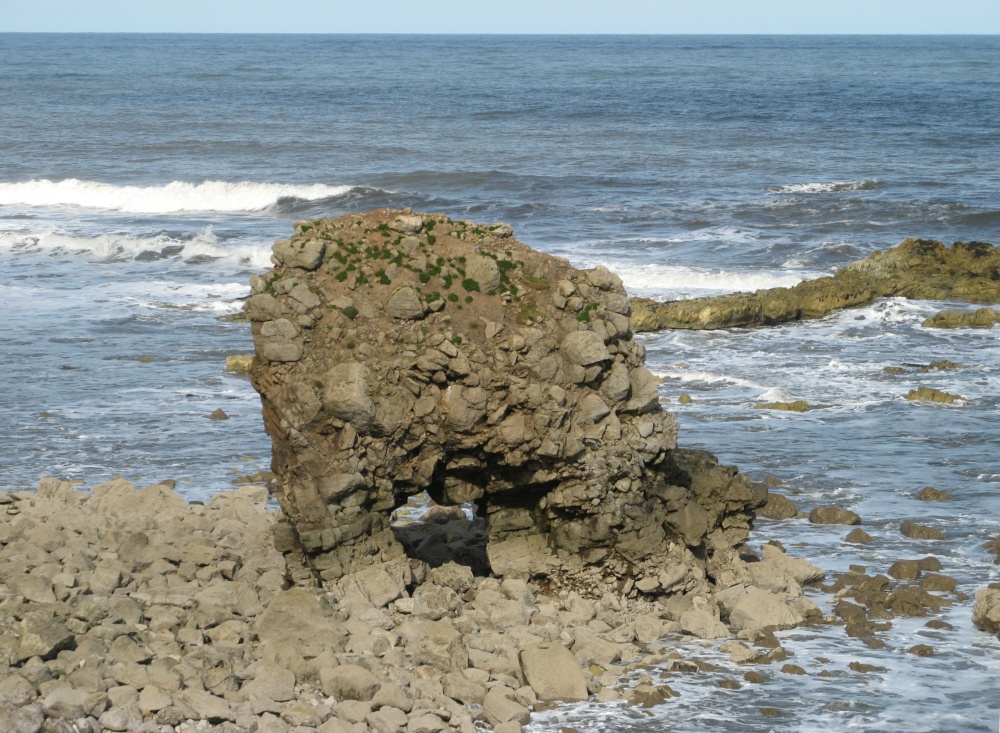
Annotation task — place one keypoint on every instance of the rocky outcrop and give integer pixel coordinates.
(955, 318)
(929, 394)
(129, 609)
(919, 269)
(986, 610)
(399, 353)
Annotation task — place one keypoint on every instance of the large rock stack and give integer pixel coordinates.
(399, 353)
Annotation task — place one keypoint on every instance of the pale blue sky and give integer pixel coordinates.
(504, 16)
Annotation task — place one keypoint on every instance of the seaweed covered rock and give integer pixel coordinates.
(399, 353)
(919, 269)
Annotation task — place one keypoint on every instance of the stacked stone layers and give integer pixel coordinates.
(401, 353)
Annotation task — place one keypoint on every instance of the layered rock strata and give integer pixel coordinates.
(920, 269)
(400, 353)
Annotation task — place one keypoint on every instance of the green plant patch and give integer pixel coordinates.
(350, 311)
(470, 285)
(529, 312)
(584, 315)
(453, 297)
(537, 283)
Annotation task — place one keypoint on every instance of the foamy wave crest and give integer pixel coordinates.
(200, 247)
(826, 187)
(174, 197)
(676, 280)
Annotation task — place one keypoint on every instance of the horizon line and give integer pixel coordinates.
(486, 34)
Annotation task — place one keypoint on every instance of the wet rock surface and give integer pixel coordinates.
(400, 353)
(919, 269)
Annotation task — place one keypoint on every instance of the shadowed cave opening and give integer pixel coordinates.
(437, 534)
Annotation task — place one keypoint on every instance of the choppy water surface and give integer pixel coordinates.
(143, 179)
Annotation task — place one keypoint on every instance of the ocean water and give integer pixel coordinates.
(144, 178)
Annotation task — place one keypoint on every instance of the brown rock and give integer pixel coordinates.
(917, 268)
(858, 537)
(797, 406)
(935, 583)
(929, 493)
(929, 394)
(919, 531)
(986, 610)
(422, 354)
(792, 669)
(865, 668)
(921, 650)
(833, 515)
(553, 673)
(905, 570)
(778, 507)
(955, 318)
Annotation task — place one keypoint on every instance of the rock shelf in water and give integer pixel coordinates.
(400, 353)
(919, 269)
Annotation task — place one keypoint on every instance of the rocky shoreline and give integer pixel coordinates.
(402, 355)
(919, 269)
(130, 610)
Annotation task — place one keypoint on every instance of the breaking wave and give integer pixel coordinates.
(200, 247)
(178, 196)
(826, 187)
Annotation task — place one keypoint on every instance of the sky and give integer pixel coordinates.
(503, 16)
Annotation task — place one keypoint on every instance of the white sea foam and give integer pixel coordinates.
(672, 280)
(826, 187)
(178, 196)
(203, 244)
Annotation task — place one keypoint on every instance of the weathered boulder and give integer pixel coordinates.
(833, 515)
(553, 673)
(349, 682)
(920, 269)
(929, 493)
(399, 353)
(778, 507)
(956, 318)
(929, 394)
(919, 531)
(754, 609)
(986, 610)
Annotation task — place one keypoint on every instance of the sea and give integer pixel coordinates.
(143, 179)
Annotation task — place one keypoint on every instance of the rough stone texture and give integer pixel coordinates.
(919, 269)
(858, 536)
(919, 531)
(399, 353)
(929, 394)
(955, 318)
(778, 507)
(553, 673)
(754, 609)
(349, 682)
(833, 515)
(986, 610)
(929, 493)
